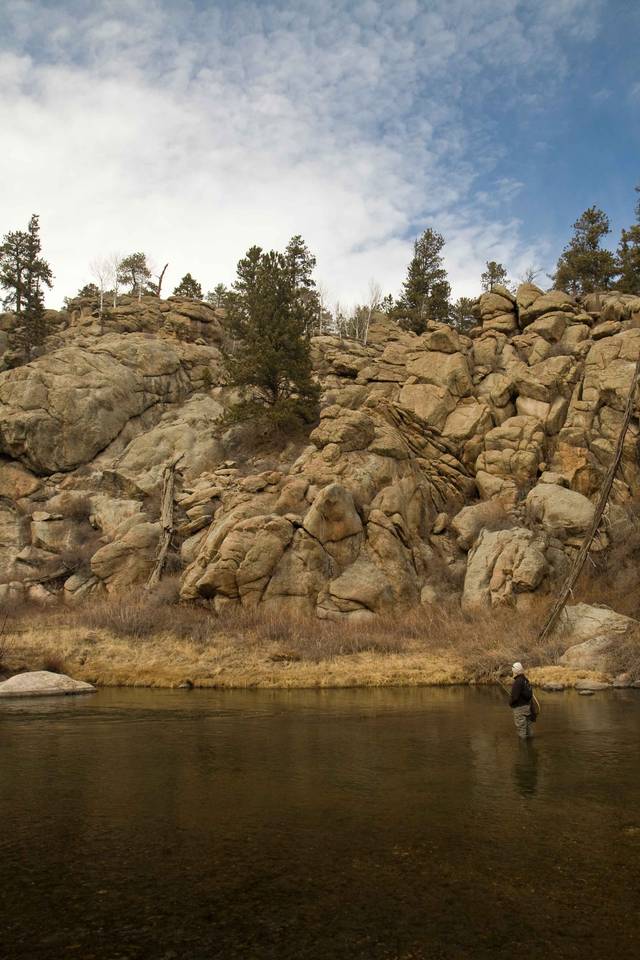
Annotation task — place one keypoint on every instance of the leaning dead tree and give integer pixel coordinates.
(581, 556)
(166, 521)
(160, 279)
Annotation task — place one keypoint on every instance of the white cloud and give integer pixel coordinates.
(602, 95)
(193, 132)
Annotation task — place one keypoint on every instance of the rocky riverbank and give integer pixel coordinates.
(447, 472)
(168, 663)
(146, 643)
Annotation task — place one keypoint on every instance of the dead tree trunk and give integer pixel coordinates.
(166, 521)
(161, 278)
(578, 563)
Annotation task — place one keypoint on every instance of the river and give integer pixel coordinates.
(392, 824)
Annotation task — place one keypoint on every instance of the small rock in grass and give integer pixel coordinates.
(553, 686)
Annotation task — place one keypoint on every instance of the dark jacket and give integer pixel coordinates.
(520, 692)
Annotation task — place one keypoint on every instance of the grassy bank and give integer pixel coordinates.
(150, 640)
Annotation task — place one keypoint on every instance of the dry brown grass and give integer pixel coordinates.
(54, 663)
(75, 506)
(611, 577)
(149, 639)
(625, 656)
(5, 656)
(78, 556)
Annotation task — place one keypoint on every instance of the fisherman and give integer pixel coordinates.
(520, 701)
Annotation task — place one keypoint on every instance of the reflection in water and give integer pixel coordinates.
(368, 825)
(525, 768)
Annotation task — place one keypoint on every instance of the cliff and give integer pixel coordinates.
(443, 467)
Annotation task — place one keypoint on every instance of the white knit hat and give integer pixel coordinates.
(517, 668)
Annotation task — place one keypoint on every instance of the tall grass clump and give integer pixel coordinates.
(147, 614)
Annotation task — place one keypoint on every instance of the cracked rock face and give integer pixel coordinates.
(61, 410)
(442, 465)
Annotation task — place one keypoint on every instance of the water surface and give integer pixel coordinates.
(369, 825)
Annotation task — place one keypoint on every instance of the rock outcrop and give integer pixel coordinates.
(442, 465)
(592, 634)
(61, 410)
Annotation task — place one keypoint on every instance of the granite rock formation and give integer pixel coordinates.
(442, 464)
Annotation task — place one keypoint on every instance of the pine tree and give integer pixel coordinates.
(24, 273)
(13, 265)
(35, 327)
(301, 264)
(387, 303)
(133, 271)
(90, 291)
(271, 363)
(23, 270)
(426, 291)
(494, 274)
(629, 256)
(462, 317)
(584, 266)
(188, 287)
(218, 295)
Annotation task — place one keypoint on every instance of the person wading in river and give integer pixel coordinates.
(521, 701)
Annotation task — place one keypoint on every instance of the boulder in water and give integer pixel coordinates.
(43, 683)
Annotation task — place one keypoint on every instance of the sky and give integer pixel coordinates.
(193, 130)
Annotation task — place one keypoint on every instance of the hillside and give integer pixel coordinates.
(445, 469)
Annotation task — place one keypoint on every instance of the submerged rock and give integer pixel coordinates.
(43, 683)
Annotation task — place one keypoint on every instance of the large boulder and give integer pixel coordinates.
(555, 301)
(300, 576)
(501, 565)
(609, 369)
(43, 683)
(351, 429)
(592, 633)
(60, 410)
(497, 311)
(357, 594)
(562, 513)
(432, 403)
(511, 458)
(183, 433)
(130, 557)
(471, 521)
(335, 523)
(16, 482)
(241, 567)
(547, 379)
(448, 370)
